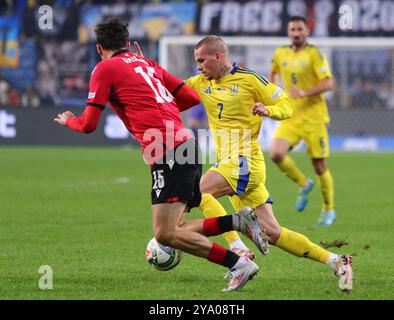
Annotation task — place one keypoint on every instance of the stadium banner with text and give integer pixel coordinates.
(35, 126)
(326, 18)
(31, 126)
(145, 20)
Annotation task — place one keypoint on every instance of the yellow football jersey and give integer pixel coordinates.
(303, 69)
(229, 102)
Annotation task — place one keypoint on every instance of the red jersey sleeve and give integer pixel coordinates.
(185, 96)
(87, 122)
(100, 86)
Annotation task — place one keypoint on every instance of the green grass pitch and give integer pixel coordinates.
(86, 213)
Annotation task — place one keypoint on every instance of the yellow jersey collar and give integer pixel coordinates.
(234, 69)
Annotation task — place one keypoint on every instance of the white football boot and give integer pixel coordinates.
(343, 270)
(241, 275)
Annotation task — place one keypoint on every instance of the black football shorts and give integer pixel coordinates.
(176, 176)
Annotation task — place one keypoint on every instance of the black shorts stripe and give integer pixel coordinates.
(100, 106)
(177, 88)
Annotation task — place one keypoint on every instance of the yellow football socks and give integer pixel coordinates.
(300, 246)
(211, 207)
(326, 185)
(290, 169)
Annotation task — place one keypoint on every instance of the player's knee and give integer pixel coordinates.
(204, 188)
(164, 237)
(319, 171)
(277, 157)
(272, 229)
(320, 167)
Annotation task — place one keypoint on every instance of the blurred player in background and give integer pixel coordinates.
(306, 75)
(148, 100)
(235, 100)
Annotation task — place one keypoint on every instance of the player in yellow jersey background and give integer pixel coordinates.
(306, 75)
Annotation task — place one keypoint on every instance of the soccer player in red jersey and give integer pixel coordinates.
(148, 100)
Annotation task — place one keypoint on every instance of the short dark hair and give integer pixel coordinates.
(112, 34)
(298, 18)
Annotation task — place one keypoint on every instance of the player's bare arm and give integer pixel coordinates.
(273, 77)
(87, 122)
(324, 85)
(138, 51)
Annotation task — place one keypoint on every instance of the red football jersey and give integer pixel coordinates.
(138, 90)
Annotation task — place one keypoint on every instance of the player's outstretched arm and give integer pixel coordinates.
(324, 85)
(281, 110)
(87, 122)
(186, 97)
(63, 117)
(273, 77)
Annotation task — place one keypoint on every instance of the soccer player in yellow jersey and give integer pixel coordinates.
(235, 100)
(306, 75)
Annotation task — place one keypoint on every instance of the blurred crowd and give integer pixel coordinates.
(365, 93)
(371, 82)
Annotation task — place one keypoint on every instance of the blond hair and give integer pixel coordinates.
(213, 44)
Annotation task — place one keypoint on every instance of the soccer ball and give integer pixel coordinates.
(161, 257)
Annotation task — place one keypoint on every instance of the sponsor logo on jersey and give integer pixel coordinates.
(91, 95)
(208, 90)
(221, 90)
(234, 89)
